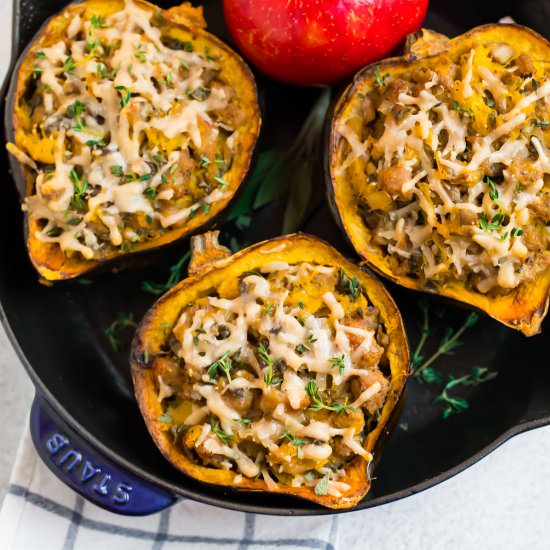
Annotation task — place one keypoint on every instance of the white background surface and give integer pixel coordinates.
(501, 502)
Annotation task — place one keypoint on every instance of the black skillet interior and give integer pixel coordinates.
(60, 330)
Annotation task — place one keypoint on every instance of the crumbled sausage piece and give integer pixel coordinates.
(393, 179)
(525, 64)
(360, 384)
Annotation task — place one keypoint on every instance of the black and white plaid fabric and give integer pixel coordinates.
(40, 513)
(500, 503)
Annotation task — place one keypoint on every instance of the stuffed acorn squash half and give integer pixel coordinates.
(133, 127)
(439, 170)
(275, 369)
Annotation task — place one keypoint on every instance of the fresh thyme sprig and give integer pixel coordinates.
(125, 95)
(347, 286)
(295, 441)
(224, 436)
(176, 274)
(448, 344)
(79, 192)
(317, 402)
(123, 320)
(338, 362)
(424, 370)
(267, 361)
(224, 363)
(452, 404)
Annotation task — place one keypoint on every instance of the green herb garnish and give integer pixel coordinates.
(338, 363)
(76, 110)
(150, 193)
(267, 361)
(224, 363)
(92, 45)
(488, 98)
(97, 22)
(79, 192)
(123, 320)
(174, 277)
(461, 110)
(140, 53)
(165, 327)
(347, 286)
(301, 349)
(448, 344)
(125, 95)
(224, 436)
(317, 402)
(493, 191)
(379, 80)
(222, 182)
(243, 421)
(294, 440)
(516, 232)
(452, 404)
(69, 65)
(494, 225)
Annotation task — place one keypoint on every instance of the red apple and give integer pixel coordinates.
(319, 41)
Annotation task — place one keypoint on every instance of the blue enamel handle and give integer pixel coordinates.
(91, 474)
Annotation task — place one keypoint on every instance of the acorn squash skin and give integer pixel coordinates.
(213, 269)
(524, 308)
(182, 22)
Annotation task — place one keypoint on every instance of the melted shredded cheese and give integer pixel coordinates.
(282, 382)
(132, 132)
(455, 181)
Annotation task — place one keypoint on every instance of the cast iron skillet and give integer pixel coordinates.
(85, 422)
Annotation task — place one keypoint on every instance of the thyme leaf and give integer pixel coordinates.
(347, 286)
(224, 363)
(338, 362)
(125, 95)
(176, 275)
(224, 436)
(317, 402)
(123, 321)
(493, 191)
(454, 404)
(380, 80)
(448, 344)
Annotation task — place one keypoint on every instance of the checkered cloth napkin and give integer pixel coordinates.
(40, 513)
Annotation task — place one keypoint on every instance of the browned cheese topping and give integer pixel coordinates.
(279, 375)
